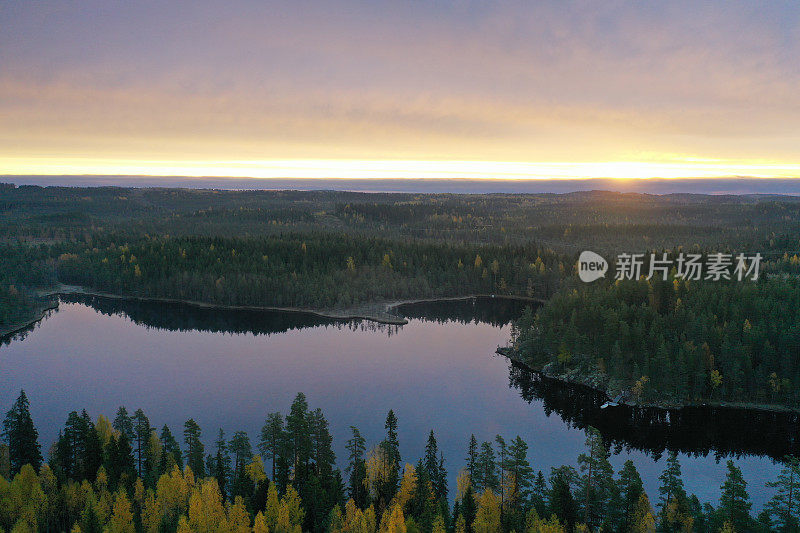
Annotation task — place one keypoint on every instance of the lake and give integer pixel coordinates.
(229, 369)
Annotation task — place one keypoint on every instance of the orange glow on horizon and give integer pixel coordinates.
(410, 169)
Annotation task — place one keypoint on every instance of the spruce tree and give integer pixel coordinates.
(734, 502)
(21, 436)
(783, 506)
(631, 487)
(194, 448)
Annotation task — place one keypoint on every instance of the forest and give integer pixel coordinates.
(657, 341)
(323, 249)
(127, 475)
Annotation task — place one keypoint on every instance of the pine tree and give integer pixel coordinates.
(472, 457)
(124, 424)
(672, 500)
(194, 448)
(486, 469)
(272, 439)
(734, 503)
(561, 502)
(21, 436)
(539, 494)
(501, 467)
(141, 436)
(434, 466)
(520, 472)
(119, 463)
(785, 504)
(631, 487)
(356, 468)
(171, 451)
(597, 482)
(92, 449)
(219, 466)
(299, 438)
(391, 449)
(241, 452)
(321, 444)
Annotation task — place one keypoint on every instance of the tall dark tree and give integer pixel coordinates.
(520, 472)
(631, 487)
(242, 453)
(562, 503)
(672, 501)
(92, 448)
(67, 458)
(356, 468)
(321, 445)
(195, 453)
(299, 437)
(501, 468)
(434, 467)
(472, 456)
(171, 451)
(486, 470)
(219, 465)
(783, 506)
(423, 505)
(734, 502)
(391, 448)
(141, 437)
(539, 494)
(597, 488)
(123, 423)
(21, 436)
(272, 440)
(120, 465)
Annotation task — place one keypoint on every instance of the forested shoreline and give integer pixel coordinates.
(671, 342)
(127, 475)
(333, 251)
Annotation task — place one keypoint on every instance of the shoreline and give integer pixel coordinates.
(509, 353)
(39, 313)
(379, 312)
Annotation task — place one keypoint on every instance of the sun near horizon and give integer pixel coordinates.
(360, 89)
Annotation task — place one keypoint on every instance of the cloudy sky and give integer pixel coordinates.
(418, 88)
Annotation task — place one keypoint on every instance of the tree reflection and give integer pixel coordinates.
(699, 431)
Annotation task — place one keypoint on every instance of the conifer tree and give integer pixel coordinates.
(272, 440)
(123, 423)
(356, 468)
(631, 487)
(21, 436)
(194, 448)
(784, 506)
(141, 436)
(734, 502)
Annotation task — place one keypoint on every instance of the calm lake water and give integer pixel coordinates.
(229, 369)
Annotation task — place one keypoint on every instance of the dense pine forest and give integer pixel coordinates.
(336, 249)
(127, 475)
(658, 341)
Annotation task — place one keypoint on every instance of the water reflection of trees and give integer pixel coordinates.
(691, 430)
(496, 312)
(175, 316)
(22, 333)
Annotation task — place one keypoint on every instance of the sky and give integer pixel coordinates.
(419, 88)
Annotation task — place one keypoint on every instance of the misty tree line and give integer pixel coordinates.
(125, 475)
